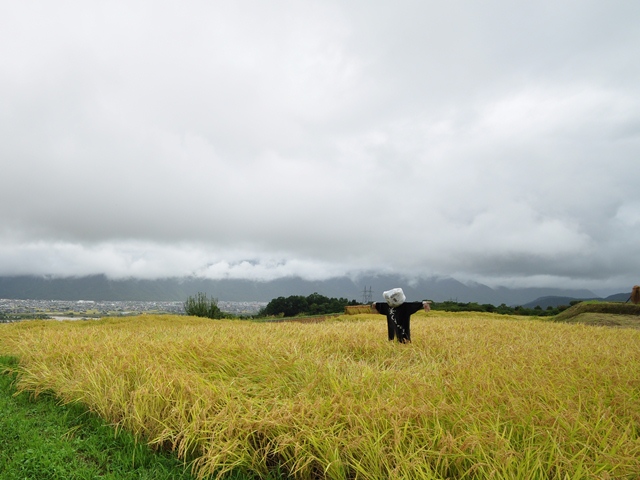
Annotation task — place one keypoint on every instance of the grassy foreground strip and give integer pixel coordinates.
(474, 396)
(40, 439)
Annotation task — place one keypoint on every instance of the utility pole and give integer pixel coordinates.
(367, 296)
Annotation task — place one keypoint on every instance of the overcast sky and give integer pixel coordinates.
(494, 141)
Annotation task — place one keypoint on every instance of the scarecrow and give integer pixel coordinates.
(398, 312)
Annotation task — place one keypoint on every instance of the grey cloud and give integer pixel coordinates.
(494, 142)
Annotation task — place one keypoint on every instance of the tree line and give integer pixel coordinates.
(295, 305)
(316, 304)
(452, 306)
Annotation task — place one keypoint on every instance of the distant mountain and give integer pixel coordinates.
(619, 297)
(100, 288)
(553, 301)
(556, 301)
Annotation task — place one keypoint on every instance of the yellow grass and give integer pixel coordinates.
(474, 396)
(356, 309)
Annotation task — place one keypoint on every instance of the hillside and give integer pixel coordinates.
(602, 314)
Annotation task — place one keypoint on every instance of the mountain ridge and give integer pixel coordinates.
(101, 288)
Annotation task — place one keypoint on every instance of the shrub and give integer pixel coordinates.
(201, 306)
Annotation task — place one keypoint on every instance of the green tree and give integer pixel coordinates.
(201, 306)
(314, 304)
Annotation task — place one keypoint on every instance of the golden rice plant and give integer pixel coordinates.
(474, 396)
(356, 309)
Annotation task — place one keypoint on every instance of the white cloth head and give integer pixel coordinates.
(394, 297)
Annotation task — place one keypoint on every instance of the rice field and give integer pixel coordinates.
(474, 396)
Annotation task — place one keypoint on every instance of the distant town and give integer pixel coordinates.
(79, 309)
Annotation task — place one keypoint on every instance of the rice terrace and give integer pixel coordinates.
(475, 396)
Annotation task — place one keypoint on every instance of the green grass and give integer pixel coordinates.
(45, 440)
